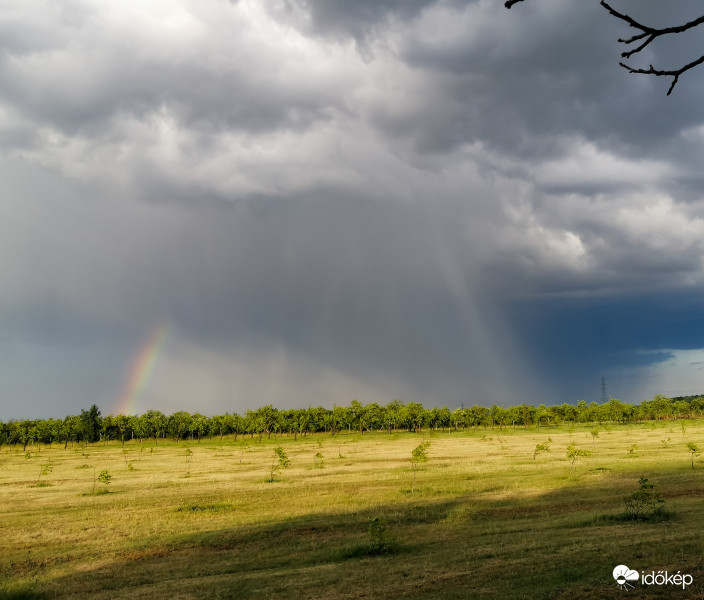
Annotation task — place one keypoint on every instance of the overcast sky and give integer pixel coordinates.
(323, 200)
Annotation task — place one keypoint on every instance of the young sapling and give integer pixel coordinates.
(544, 447)
(418, 455)
(574, 454)
(279, 461)
(595, 434)
(693, 450)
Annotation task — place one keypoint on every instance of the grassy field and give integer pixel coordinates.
(485, 520)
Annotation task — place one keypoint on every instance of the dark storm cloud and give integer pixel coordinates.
(427, 196)
(359, 20)
(363, 287)
(525, 79)
(583, 339)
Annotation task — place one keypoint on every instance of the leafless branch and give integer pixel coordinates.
(675, 74)
(646, 36)
(649, 34)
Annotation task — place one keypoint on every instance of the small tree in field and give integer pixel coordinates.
(45, 469)
(418, 455)
(283, 459)
(279, 461)
(693, 451)
(104, 477)
(644, 503)
(379, 541)
(574, 454)
(595, 434)
(544, 447)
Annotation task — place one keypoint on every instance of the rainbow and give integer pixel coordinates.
(142, 369)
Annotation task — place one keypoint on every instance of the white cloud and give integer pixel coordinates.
(585, 165)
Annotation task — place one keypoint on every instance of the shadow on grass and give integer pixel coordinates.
(661, 516)
(213, 507)
(560, 544)
(19, 595)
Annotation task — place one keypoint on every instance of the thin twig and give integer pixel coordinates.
(647, 35)
(650, 33)
(675, 73)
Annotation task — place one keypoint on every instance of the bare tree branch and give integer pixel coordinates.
(650, 34)
(646, 36)
(675, 74)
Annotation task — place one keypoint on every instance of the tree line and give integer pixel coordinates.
(90, 426)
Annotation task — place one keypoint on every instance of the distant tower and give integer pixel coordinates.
(603, 390)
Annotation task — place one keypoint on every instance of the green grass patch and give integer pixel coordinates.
(486, 518)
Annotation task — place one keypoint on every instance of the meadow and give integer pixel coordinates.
(486, 518)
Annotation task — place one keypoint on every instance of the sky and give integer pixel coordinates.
(215, 205)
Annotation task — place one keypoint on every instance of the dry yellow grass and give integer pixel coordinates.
(486, 520)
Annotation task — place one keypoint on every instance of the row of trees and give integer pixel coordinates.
(90, 426)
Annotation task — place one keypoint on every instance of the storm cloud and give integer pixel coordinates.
(437, 201)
